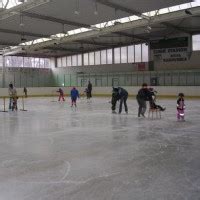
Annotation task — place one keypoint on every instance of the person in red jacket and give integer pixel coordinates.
(61, 94)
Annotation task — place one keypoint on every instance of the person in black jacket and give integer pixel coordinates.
(89, 89)
(123, 96)
(115, 98)
(119, 94)
(143, 95)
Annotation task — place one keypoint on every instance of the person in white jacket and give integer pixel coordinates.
(13, 97)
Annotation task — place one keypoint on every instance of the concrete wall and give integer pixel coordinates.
(162, 91)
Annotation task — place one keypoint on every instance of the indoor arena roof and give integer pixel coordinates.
(36, 19)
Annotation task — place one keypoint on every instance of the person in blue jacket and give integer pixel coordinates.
(121, 95)
(74, 96)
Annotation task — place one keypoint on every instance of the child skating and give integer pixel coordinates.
(61, 94)
(181, 107)
(74, 96)
(14, 104)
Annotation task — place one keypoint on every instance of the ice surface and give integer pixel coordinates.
(53, 152)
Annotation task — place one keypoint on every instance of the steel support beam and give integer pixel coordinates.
(5, 43)
(53, 19)
(63, 49)
(94, 43)
(37, 35)
(167, 24)
(132, 36)
(118, 28)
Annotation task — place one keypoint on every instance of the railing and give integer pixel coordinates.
(159, 78)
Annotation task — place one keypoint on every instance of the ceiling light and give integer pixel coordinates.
(21, 20)
(77, 8)
(95, 8)
(149, 28)
(76, 12)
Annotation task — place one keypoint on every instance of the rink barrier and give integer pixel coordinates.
(163, 92)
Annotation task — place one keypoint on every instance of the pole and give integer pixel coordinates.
(3, 72)
(23, 104)
(4, 105)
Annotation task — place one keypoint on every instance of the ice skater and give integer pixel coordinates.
(61, 94)
(89, 90)
(14, 106)
(74, 96)
(121, 95)
(10, 91)
(181, 107)
(144, 95)
(13, 97)
(25, 92)
(115, 98)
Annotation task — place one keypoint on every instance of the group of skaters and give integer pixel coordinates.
(74, 94)
(144, 95)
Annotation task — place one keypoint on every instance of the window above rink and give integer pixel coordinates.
(126, 54)
(27, 62)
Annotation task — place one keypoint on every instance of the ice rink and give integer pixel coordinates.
(53, 152)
